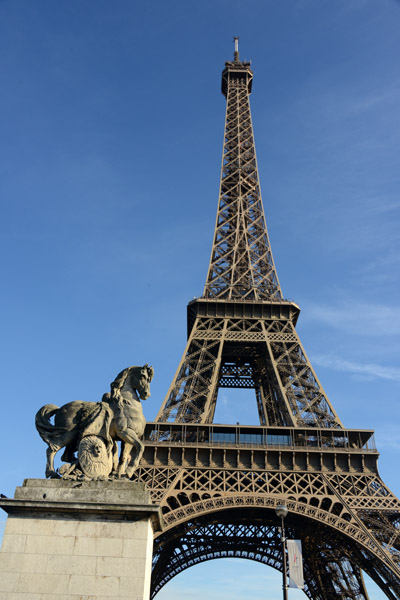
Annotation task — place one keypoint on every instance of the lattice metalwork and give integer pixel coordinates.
(242, 273)
(237, 352)
(234, 536)
(218, 485)
(241, 264)
(347, 521)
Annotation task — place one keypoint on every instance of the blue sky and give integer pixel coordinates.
(111, 129)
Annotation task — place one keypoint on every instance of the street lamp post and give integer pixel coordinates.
(281, 511)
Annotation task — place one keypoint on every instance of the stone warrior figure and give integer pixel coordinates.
(92, 430)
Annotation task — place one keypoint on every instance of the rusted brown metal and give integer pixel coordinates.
(218, 485)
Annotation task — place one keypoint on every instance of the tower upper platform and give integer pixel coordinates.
(236, 69)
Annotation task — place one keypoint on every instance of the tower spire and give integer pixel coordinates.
(236, 53)
(241, 264)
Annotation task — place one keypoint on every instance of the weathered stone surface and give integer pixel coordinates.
(91, 429)
(64, 542)
(115, 492)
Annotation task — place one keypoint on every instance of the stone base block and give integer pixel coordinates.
(78, 540)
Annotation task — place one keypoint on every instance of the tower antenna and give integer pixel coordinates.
(236, 53)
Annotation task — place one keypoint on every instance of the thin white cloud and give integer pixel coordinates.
(368, 370)
(388, 437)
(223, 398)
(382, 269)
(357, 318)
(374, 99)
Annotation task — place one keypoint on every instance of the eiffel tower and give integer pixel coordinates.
(218, 485)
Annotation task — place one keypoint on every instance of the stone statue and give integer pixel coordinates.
(92, 429)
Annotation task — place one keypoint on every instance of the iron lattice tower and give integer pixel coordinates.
(218, 485)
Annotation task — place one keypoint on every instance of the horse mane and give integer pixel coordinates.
(121, 377)
(150, 371)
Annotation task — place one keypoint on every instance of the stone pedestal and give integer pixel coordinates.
(69, 540)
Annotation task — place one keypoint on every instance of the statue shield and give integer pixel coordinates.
(94, 460)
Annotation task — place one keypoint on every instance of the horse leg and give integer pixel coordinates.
(129, 437)
(50, 454)
(133, 464)
(126, 448)
(114, 458)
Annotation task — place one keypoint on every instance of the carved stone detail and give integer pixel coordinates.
(92, 430)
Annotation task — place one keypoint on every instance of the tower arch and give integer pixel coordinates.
(253, 533)
(242, 334)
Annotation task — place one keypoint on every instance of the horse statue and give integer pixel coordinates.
(92, 429)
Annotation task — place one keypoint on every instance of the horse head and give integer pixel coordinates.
(141, 378)
(136, 378)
